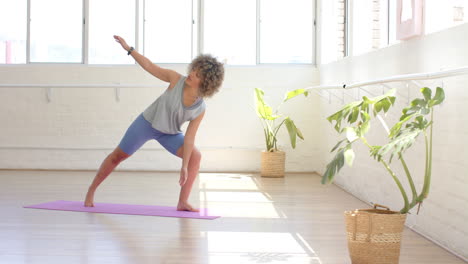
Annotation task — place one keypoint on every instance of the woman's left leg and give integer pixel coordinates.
(192, 169)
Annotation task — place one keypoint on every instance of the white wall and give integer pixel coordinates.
(443, 216)
(80, 126)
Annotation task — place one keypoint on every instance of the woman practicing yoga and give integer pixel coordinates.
(181, 102)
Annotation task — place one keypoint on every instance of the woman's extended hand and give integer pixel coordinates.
(122, 42)
(183, 176)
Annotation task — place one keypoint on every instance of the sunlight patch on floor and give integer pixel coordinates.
(220, 181)
(259, 247)
(253, 197)
(243, 210)
(235, 195)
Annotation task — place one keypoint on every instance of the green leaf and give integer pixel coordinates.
(425, 111)
(292, 94)
(349, 156)
(374, 152)
(418, 102)
(439, 97)
(364, 126)
(334, 116)
(377, 107)
(292, 130)
(299, 133)
(365, 104)
(337, 118)
(397, 127)
(427, 93)
(263, 110)
(337, 145)
(400, 143)
(407, 113)
(333, 167)
(354, 116)
(387, 103)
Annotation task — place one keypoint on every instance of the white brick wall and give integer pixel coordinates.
(80, 126)
(443, 218)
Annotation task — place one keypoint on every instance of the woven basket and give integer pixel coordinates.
(374, 235)
(273, 164)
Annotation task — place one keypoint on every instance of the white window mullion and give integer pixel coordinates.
(314, 33)
(85, 31)
(142, 28)
(347, 33)
(28, 36)
(257, 43)
(350, 28)
(200, 28)
(194, 31)
(137, 25)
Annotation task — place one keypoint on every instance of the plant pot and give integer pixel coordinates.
(273, 164)
(374, 235)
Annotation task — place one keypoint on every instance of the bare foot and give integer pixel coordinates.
(184, 206)
(89, 201)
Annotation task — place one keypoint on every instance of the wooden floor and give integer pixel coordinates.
(264, 220)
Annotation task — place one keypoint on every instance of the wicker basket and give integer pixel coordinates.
(374, 235)
(273, 164)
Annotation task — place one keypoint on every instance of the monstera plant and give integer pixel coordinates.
(272, 158)
(374, 235)
(353, 120)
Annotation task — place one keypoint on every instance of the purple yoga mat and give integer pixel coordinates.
(130, 209)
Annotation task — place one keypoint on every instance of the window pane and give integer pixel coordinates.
(56, 30)
(168, 31)
(286, 31)
(370, 25)
(230, 30)
(333, 31)
(392, 20)
(13, 31)
(120, 21)
(445, 14)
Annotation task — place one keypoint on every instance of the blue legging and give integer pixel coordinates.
(141, 131)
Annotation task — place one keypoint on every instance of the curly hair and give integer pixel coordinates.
(211, 73)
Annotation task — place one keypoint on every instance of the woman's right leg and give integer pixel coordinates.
(107, 166)
(139, 132)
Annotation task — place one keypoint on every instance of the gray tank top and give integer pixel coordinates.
(168, 112)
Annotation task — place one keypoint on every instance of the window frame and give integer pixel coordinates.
(197, 36)
(313, 35)
(28, 39)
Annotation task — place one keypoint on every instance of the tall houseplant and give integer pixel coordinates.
(353, 120)
(272, 158)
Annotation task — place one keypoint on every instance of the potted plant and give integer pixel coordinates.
(374, 235)
(273, 160)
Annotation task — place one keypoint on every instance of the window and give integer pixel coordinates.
(392, 22)
(449, 13)
(333, 36)
(230, 30)
(13, 34)
(242, 32)
(56, 36)
(286, 31)
(369, 25)
(168, 31)
(104, 24)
